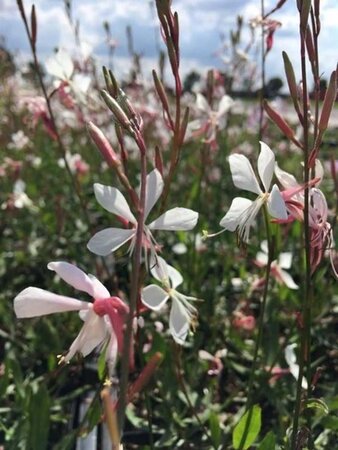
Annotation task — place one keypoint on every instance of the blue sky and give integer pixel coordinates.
(201, 22)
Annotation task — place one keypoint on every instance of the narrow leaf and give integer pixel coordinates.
(268, 443)
(247, 429)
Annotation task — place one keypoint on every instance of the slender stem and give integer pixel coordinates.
(175, 151)
(180, 378)
(249, 402)
(304, 360)
(261, 95)
(134, 291)
(61, 146)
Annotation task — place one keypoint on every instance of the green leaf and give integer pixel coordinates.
(215, 429)
(269, 442)
(39, 419)
(317, 403)
(247, 429)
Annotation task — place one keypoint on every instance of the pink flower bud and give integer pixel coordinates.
(103, 145)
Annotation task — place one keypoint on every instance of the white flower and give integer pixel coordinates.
(277, 267)
(111, 199)
(182, 314)
(97, 329)
(61, 67)
(243, 211)
(290, 358)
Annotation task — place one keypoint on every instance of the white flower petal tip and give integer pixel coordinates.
(290, 357)
(179, 322)
(106, 241)
(176, 219)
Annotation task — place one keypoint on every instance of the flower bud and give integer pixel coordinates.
(103, 145)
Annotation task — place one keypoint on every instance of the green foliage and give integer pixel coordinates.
(247, 429)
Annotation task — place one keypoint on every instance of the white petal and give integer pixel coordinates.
(290, 358)
(154, 188)
(285, 260)
(242, 174)
(286, 179)
(154, 297)
(175, 219)
(287, 279)
(276, 204)
(81, 83)
(109, 240)
(35, 302)
(175, 277)
(262, 258)
(232, 218)
(60, 65)
(264, 246)
(99, 290)
(73, 276)
(113, 201)
(178, 322)
(159, 268)
(91, 335)
(201, 103)
(266, 165)
(224, 105)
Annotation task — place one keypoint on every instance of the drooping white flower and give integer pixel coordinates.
(182, 314)
(291, 359)
(97, 329)
(242, 212)
(111, 199)
(278, 266)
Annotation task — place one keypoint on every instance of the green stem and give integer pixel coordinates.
(304, 360)
(134, 290)
(249, 402)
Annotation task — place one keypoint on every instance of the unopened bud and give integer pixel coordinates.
(304, 15)
(161, 92)
(103, 145)
(118, 112)
(158, 160)
(111, 83)
(329, 100)
(33, 26)
(183, 127)
(281, 124)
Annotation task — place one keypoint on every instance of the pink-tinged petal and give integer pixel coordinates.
(73, 276)
(113, 201)
(175, 277)
(237, 209)
(276, 204)
(287, 279)
(99, 291)
(243, 175)
(109, 240)
(201, 103)
(60, 65)
(266, 165)
(154, 297)
(92, 334)
(159, 269)
(111, 352)
(35, 302)
(286, 179)
(178, 322)
(175, 219)
(285, 260)
(224, 105)
(154, 188)
(262, 258)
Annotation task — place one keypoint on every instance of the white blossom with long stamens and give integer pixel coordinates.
(242, 212)
(182, 314)
(111, 199)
